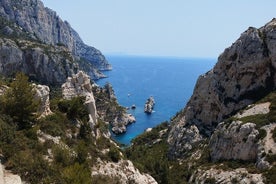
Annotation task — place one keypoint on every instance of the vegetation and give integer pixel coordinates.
(151, 156)
(262, 120)
(274, 134)
(68, 156)
(59, 148)
(19, 103)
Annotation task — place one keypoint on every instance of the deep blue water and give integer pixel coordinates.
(169, 80)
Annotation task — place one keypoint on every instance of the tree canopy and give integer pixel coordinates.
(19, 103)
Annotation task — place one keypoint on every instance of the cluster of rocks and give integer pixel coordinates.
(240, 175)
(244, 73)
(124, 170)
(149, 105)
(120, 123)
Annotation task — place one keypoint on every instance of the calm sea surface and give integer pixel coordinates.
(169, 80)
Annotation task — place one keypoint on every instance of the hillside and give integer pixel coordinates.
(55, 122)
(62, 135)
(226, 132)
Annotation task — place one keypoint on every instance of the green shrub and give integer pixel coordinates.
(262, 134)
(105, 179)
(19, 103)
(274, 134)
(74, 108)
(62, 156)
(55, 124)
(270, 176)
(114, 154)
(77, 174)
(210, 181)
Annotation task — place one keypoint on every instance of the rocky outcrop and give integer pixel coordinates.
(43, 24)
(42, 94)
(213, 175)
(120, 122)
(80, 85)
(124, 170)
(242, 141)
(43, 63)
(149, 105)
(244, 73)
(236, 141)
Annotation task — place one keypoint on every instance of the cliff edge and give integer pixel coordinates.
(244, 73)
(45, 26)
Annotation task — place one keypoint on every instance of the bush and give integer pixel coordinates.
(74, 108)
(54, 124)
(114, 154)
(262, 134)
(274, 134)
(270, 176)
(77, 174)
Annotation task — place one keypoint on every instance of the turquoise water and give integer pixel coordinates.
(169, 80)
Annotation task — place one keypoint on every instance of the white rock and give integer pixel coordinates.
(42, 94)
(79, 85)
(124, 170)
(7, 177)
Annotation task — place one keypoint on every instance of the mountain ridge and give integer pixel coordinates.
(44, 25)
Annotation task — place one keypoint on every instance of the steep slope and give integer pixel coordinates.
(69, 143)
(244, 73)
(44, 25)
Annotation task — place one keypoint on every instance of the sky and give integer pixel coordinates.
(179, 28)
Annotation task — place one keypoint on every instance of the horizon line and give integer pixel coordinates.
(156, 56)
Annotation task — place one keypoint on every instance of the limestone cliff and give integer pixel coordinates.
(244, 73)
(42, 24)
(43, 63)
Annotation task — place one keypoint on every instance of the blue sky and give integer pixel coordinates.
(179, 28)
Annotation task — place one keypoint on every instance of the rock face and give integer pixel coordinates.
(8, 178)
(125, 171)
(42, 94)
(236, 141)
(50, 67)
(42, 24)
(244, 73)
(80, 85)
(240, 175)
(149, 105)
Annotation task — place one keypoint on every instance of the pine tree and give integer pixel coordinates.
(19, 102)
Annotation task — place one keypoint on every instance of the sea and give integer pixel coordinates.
(169, 80)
